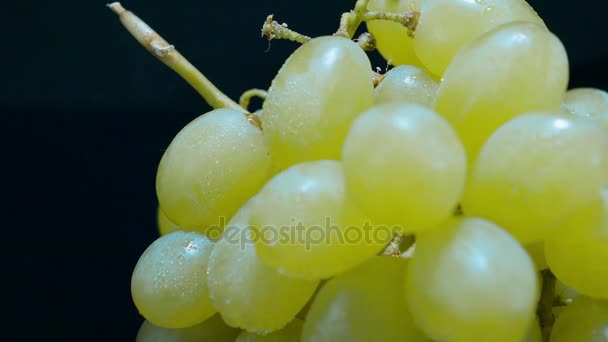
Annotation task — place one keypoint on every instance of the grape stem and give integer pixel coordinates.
(350, 21)
(246, 97)
(167, 54)
(545, 304)
(274, 30)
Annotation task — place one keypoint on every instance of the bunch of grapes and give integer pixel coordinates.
(460, 196)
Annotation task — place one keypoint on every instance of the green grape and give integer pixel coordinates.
(247, 293)
(210, 169)
(445, 26)
(211, 330)
(516, 68)
(392, 40)
(322, 87)
(536, 251)
(363, 304)
(407, 83)
(165, 226)
(169, 283)
(536, 170)
(404, 165)
(578, 254)
(469, 280)
(585, 320)
(306, 226)
(534, 333)
(290, 333)
(588, 103)
(563, 293)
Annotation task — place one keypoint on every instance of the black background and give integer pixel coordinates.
(86, 113)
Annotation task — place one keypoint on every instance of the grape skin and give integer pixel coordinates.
(210, 169)
(445, 26)
(513, 69)
(407, 83)
(321, 88)
(585, 320)
(169, 283)
(291, 332)
(469, 280)
(211, 330)
(588, 103)
(303, 217)
(530, 191)
(249, 294)
(165, 226)
(404, 165)
(578, 253)
(363, 304)
(392, 40)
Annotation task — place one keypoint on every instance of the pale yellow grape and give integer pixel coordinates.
(210, 169)
(404, 165)
(322, 87)
(536, 251)
(469, 280)
(247, 293)
(290, 333)
(516, 68)
(169, 283)
(306, 226)
(588, 103)
(445, 26)
(211, 330)
(363, 304)
(536, 170)
(392, 40)
(165, 226)
(578, 253)
(407, 83)
(585, 320)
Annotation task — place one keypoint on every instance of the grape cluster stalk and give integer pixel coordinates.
(461, 195)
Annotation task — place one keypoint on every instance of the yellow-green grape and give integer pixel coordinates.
(445, 26)
(578, 254)
(392, 40)
(585, 320)
(363, 304)
(306, 227)
(169, 283)
(290, 333)
(211, 330)
(536, 170)
(516, 68)
(247, 293)
(322, 87)
(407, 83)
(534, 333)
(469, 280)
(588, 103)
(404, 165)
(536, 251)
(165, 226)
(563, 293)
(210, 169)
